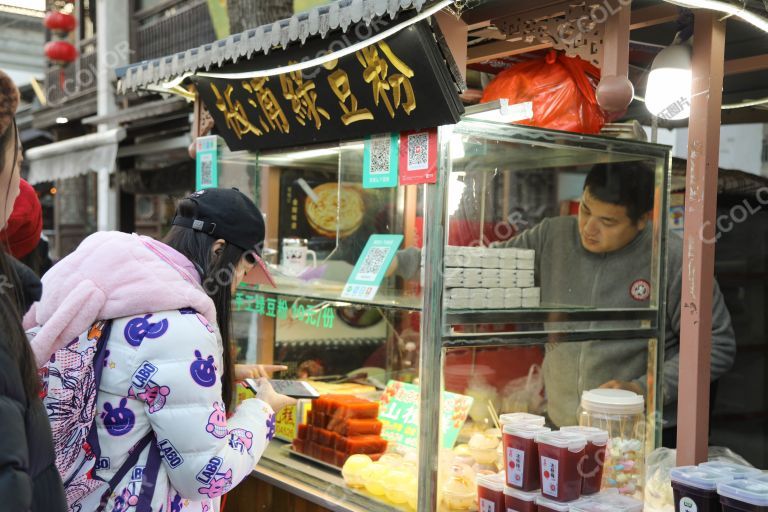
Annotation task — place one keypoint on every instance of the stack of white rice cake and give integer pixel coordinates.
(488, 278)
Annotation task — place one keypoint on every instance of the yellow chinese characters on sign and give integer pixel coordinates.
(265, 100)
(339, 82)
(376, 73)
(234, 113)
(303, 97)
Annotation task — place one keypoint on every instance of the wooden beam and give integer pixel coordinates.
(488, 51)
(655, 15)
(746, 65)
(639, 18)
(699, 238)
(455, 32)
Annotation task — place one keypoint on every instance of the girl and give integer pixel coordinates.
(157, 433)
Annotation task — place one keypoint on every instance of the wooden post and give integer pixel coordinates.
(698, 248)
(615, 60)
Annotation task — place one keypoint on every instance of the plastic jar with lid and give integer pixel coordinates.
(547, 505)
(522, 417)
(695, 488)
(521, 456)
(520, 501)
(744, 496)
(560, 454)
(737, 471)
(621, 413)
(591, 467)
(608, 503)
(490, 493)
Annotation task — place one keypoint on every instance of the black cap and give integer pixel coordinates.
(228, 214)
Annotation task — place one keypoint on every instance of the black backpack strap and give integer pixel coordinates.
(148, 477)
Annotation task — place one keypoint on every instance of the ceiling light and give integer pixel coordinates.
(62, 120)
(668, 93)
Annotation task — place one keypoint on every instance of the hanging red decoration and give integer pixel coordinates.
(60, 52)
(59, 22)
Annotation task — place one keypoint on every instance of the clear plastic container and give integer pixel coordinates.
(547, 505)
(737, 471)
(522, 417)
(459, 491)
(622, 414)
(608, 503)
(520, 501)
(490, 493)
(521, 456)
(744, 496)
(591, 467)
(695, 489)
(560, 455)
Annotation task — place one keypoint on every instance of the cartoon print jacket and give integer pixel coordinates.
(163, 373)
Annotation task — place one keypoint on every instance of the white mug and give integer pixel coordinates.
(295, 252)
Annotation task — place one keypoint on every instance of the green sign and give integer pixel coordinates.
(380, 158)
(399, 412)
(206, 161)
(278, 308)
(371, 267)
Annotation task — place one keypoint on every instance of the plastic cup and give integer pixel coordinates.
(490, 493)
(560, 454)
(744, 496)
(695, 489)
(516, 500)
(521, 456)
(591, 467)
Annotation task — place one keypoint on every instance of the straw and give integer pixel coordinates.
(494, 416)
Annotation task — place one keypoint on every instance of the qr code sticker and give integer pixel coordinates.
(380, 155)
(372, 263)
(418, 151)
(206, 170)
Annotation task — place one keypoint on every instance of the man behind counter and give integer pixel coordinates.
(602, 259)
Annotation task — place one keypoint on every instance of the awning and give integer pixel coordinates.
(341, 14)
(73, 157)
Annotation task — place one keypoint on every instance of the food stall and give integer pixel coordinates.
(361, 156)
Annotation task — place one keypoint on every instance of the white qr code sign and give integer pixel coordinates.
(371, 267)
(380, 155)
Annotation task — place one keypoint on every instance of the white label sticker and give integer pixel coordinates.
(688, 505)
(515, 462)
(487, 505)
(549, 475)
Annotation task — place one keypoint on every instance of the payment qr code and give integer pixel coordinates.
(372, 263)
(380, 155)
(206, 170)
(418, 151)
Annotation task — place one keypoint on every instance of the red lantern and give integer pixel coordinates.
(59, 22)
(60, 52)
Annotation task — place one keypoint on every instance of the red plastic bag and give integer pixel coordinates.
(561, 88)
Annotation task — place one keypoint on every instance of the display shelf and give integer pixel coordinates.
(539, 337)
(382, 299)
(546, 313)
(323, 486)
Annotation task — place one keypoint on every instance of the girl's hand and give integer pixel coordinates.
(275, 400)
(256, 371)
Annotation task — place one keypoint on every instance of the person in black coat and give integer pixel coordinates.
(29, 480)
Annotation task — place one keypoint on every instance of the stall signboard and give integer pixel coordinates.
(206, 162)
(371, 267)
(399, 413)
(400, 83)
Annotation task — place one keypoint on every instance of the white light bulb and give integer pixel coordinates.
(668, 95)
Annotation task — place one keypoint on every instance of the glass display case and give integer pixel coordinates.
(515, 287)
